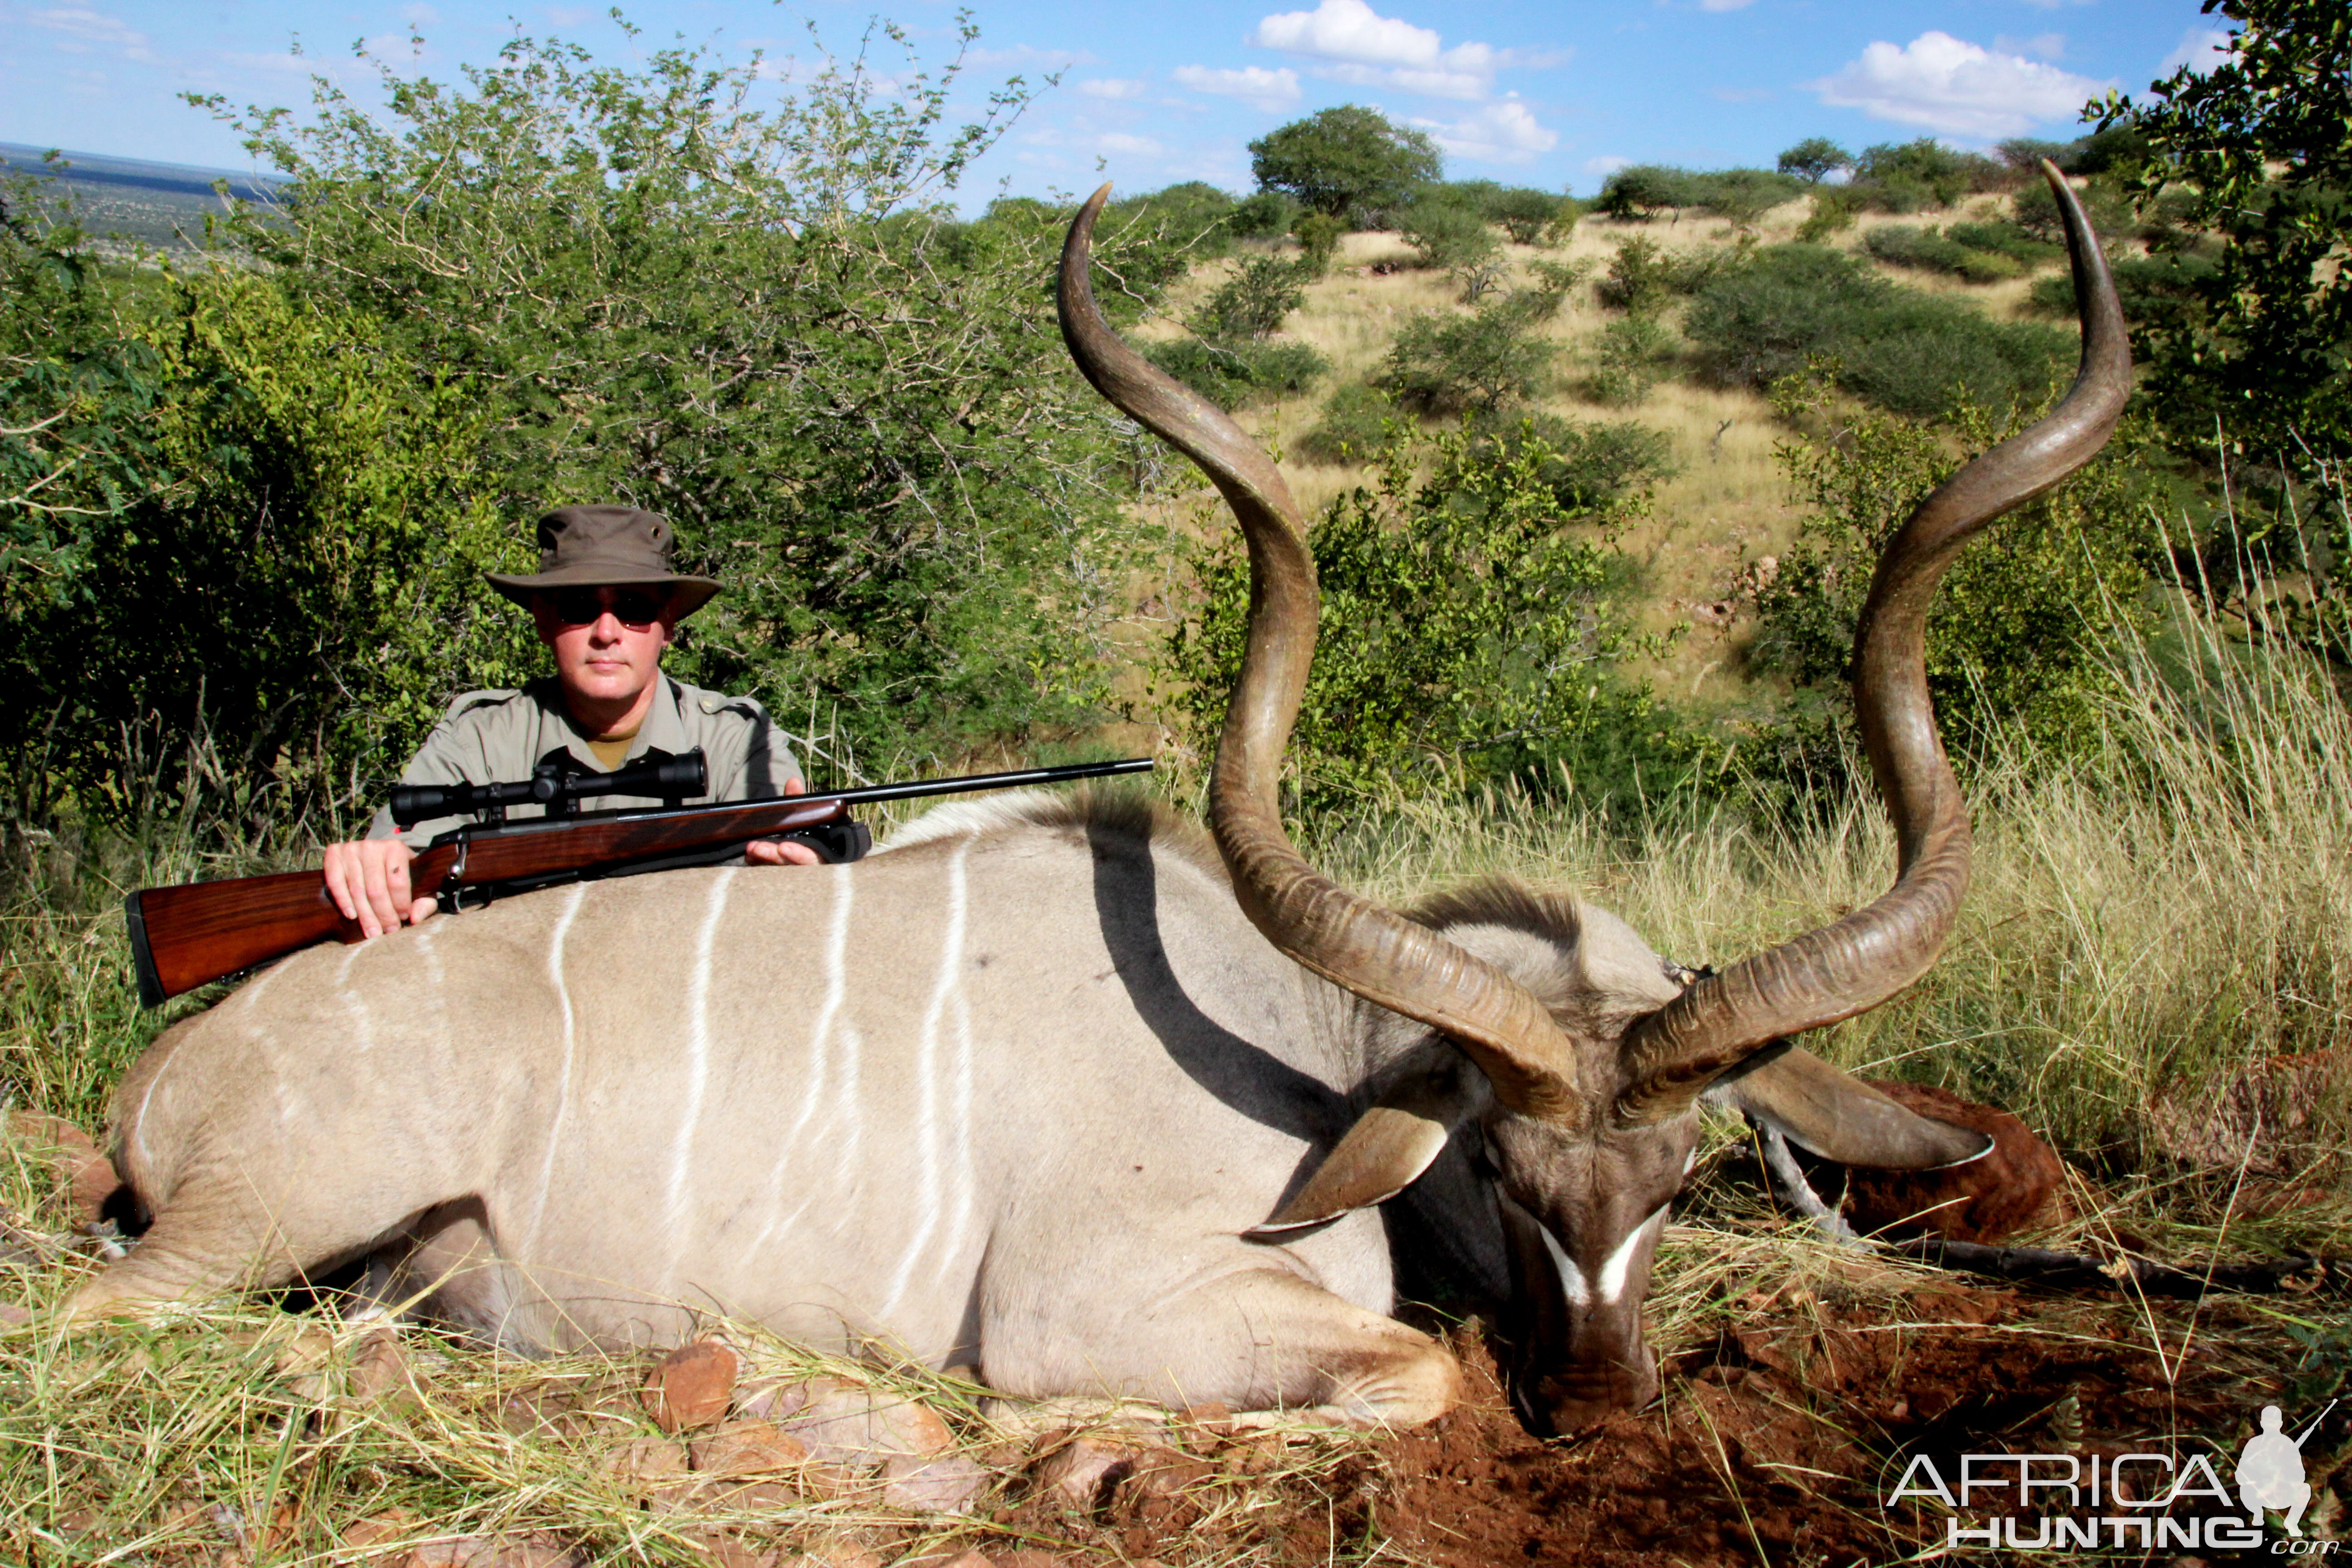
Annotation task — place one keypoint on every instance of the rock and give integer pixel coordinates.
(692, 1387)
(1981, 1201)
(1081, 1472)
(535, 1551)
(73, 1158)
(379, 1367)
(747, 1448)
(943, 1483)
(646, 1462)
(847, 1424)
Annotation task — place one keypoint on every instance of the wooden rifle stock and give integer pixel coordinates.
(189, 935)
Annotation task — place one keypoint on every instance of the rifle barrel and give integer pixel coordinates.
(916, 788)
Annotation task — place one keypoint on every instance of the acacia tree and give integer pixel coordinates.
(1815, 159)
(2261, 144)
(1349, 161)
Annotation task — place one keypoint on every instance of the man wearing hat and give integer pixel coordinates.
(606, 602)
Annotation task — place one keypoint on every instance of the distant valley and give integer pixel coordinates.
(133, 201)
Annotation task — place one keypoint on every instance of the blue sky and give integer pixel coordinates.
(1551, 94)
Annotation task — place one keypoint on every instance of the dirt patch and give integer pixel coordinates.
(1774, 1442)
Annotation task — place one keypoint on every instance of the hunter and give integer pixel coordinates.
(606, 602)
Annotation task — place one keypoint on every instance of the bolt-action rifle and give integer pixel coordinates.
(189, 935)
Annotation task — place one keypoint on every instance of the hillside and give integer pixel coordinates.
(1723, 505)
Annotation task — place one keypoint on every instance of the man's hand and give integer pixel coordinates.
(775, 852)
(368, 879)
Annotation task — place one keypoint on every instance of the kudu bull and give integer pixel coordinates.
(1049, 1091)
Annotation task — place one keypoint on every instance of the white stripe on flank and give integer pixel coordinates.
(563, 1074)
(836, 990)
(1613, 1271)
(698, 1063)
(945, 993)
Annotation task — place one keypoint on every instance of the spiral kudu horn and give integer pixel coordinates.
(1852, 966)
(1371, 950)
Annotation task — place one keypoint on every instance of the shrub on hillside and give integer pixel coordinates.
(1930, 250)
(1588, 467)
(1237, 374)
(1529, 216)
(1905, 177)
(1348, 161)
(1552, 282)
(2108, 208)
(1447, 233)
(1318, 235)
(1815, 159)
(2011, 635)
(1268, 214)
(1486, 360)
(1357, 421)
(1915, 354)
(1630, 356)
(1644, 279)
(1250, 305)
(1470, 631)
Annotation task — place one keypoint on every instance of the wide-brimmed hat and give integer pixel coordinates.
(607, 546)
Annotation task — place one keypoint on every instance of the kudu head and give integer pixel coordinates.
(1576, 1054)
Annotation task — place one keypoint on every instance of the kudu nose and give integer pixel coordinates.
(1562, 1402)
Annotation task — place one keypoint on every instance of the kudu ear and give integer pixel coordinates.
(1825, 1113)
(1391, 1144)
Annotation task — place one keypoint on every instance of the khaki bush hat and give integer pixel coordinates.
(607, 546)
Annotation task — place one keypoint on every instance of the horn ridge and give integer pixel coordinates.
(1360, 945)
(1853, 965)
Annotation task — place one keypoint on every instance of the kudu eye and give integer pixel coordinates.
(1683, 975)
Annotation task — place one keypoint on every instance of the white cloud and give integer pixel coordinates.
(87, 27)
(2041, 46)
(1253, 85)
(2201, 50)
(1606, 165)
(1357, 44)
(1025, 54)
(1723, 4)
(1499, 133)
(1941, 83)
(1114, 86)
(1132, 146)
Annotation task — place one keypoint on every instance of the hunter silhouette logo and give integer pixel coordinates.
(2270, 1472)
(2148, 1501)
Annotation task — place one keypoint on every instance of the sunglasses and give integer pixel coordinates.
(636, 608)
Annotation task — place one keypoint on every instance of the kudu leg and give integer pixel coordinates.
(1255, 1341)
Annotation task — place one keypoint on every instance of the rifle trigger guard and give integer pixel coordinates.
(456, 880)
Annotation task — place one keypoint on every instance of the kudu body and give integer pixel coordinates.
(1052, 1088)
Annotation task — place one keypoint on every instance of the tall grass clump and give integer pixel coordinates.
(2154, 964)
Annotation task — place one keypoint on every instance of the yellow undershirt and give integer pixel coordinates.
(614, 749)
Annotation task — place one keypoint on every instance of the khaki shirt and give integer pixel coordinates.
(498, 737)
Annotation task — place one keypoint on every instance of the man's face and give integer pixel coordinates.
(607, 642)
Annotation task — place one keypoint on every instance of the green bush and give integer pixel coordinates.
(2109, 210)
(1268, 214)
(1905, 177)
(1642, 191)
(1644, 279)
(1528, 216)
(1357, 421)
(1486, 360)
(1743, 196)
(1250, 305)
(1913, 353)
(1554, 281)
(1630, 356)
(1237, 375)
(1449, 235)
(626, 283)
(1318, 235)
(1469, 632)
(1833, 211)
(1930, 250)
(1588, 469)
(2002, 237)
(2014, 634)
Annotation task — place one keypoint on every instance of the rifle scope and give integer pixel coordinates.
(554, 787)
